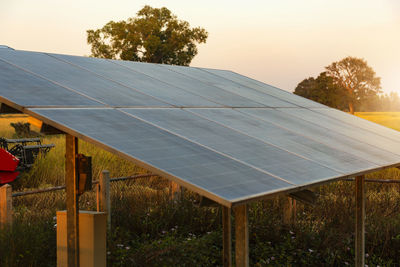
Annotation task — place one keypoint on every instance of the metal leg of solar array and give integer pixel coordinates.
(241, 236)
(360, 221)
(227, 237)
(72, 200)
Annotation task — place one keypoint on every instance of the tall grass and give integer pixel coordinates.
(148, 229)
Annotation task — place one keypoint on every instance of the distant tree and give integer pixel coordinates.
(155, 35)
(324, 90)
(357, 78)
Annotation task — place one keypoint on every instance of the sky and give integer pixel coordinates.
(277, 42)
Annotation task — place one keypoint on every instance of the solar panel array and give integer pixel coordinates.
(221, 134)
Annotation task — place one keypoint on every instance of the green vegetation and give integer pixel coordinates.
(150, 230)
(155, 35)
(349, 85)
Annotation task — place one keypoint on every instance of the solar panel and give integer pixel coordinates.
(82, 81)
(256, 153)
(212, 93)
(26, 89)
(221, 134)
(217, 81)
(290, 141)
(333, 124)
(203, 169)
(360, 123)
(312, 130)
(143, 83)
(245, 81)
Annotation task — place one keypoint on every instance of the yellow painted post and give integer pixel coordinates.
(103, 196)
(71, 183)
(227, 237)
(5, 205)
(92, 239)
(242, 236)
(360, 221)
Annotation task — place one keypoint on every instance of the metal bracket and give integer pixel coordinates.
(6, 109)
(48, 129)
(84, 168)
(306, 196)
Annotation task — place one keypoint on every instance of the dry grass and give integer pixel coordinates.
(5, 129)
(388, 119)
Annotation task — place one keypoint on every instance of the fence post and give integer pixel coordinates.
(5, 205)
(175, 191)
(360, 221)
(242, 235)
(226, 237)
(289, 212)
(103, 196)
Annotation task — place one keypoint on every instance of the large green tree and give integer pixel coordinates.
(154, 35)
(359, 80)
(324, 90)
(348, 84)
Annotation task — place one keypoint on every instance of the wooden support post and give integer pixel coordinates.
(242, 236)
(360, 221)
(104, 197)
(227, 237)
(5, 205)
(71, 183)
(289, 211)
(174, 190)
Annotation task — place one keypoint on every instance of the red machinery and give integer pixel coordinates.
(18, 155)
(8, 167)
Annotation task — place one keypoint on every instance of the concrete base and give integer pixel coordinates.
(92, 238)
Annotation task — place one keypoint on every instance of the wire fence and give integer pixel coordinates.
(62, 187)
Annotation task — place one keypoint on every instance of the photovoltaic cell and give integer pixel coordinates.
(287, 140)
(334, 139)
(352, 120)
(143, 83)
(26, 89)
(78, 80)
(228, 85)
(283, 95)
(338, 126)
(209, 92)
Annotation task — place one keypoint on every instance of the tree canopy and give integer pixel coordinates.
(322, 90)
(359, 80)
(347, 84)
(154, 35)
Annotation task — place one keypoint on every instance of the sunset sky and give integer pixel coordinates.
(277, 42)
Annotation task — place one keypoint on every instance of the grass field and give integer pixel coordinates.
(151, 230)
(388, 119)
(5, 129)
